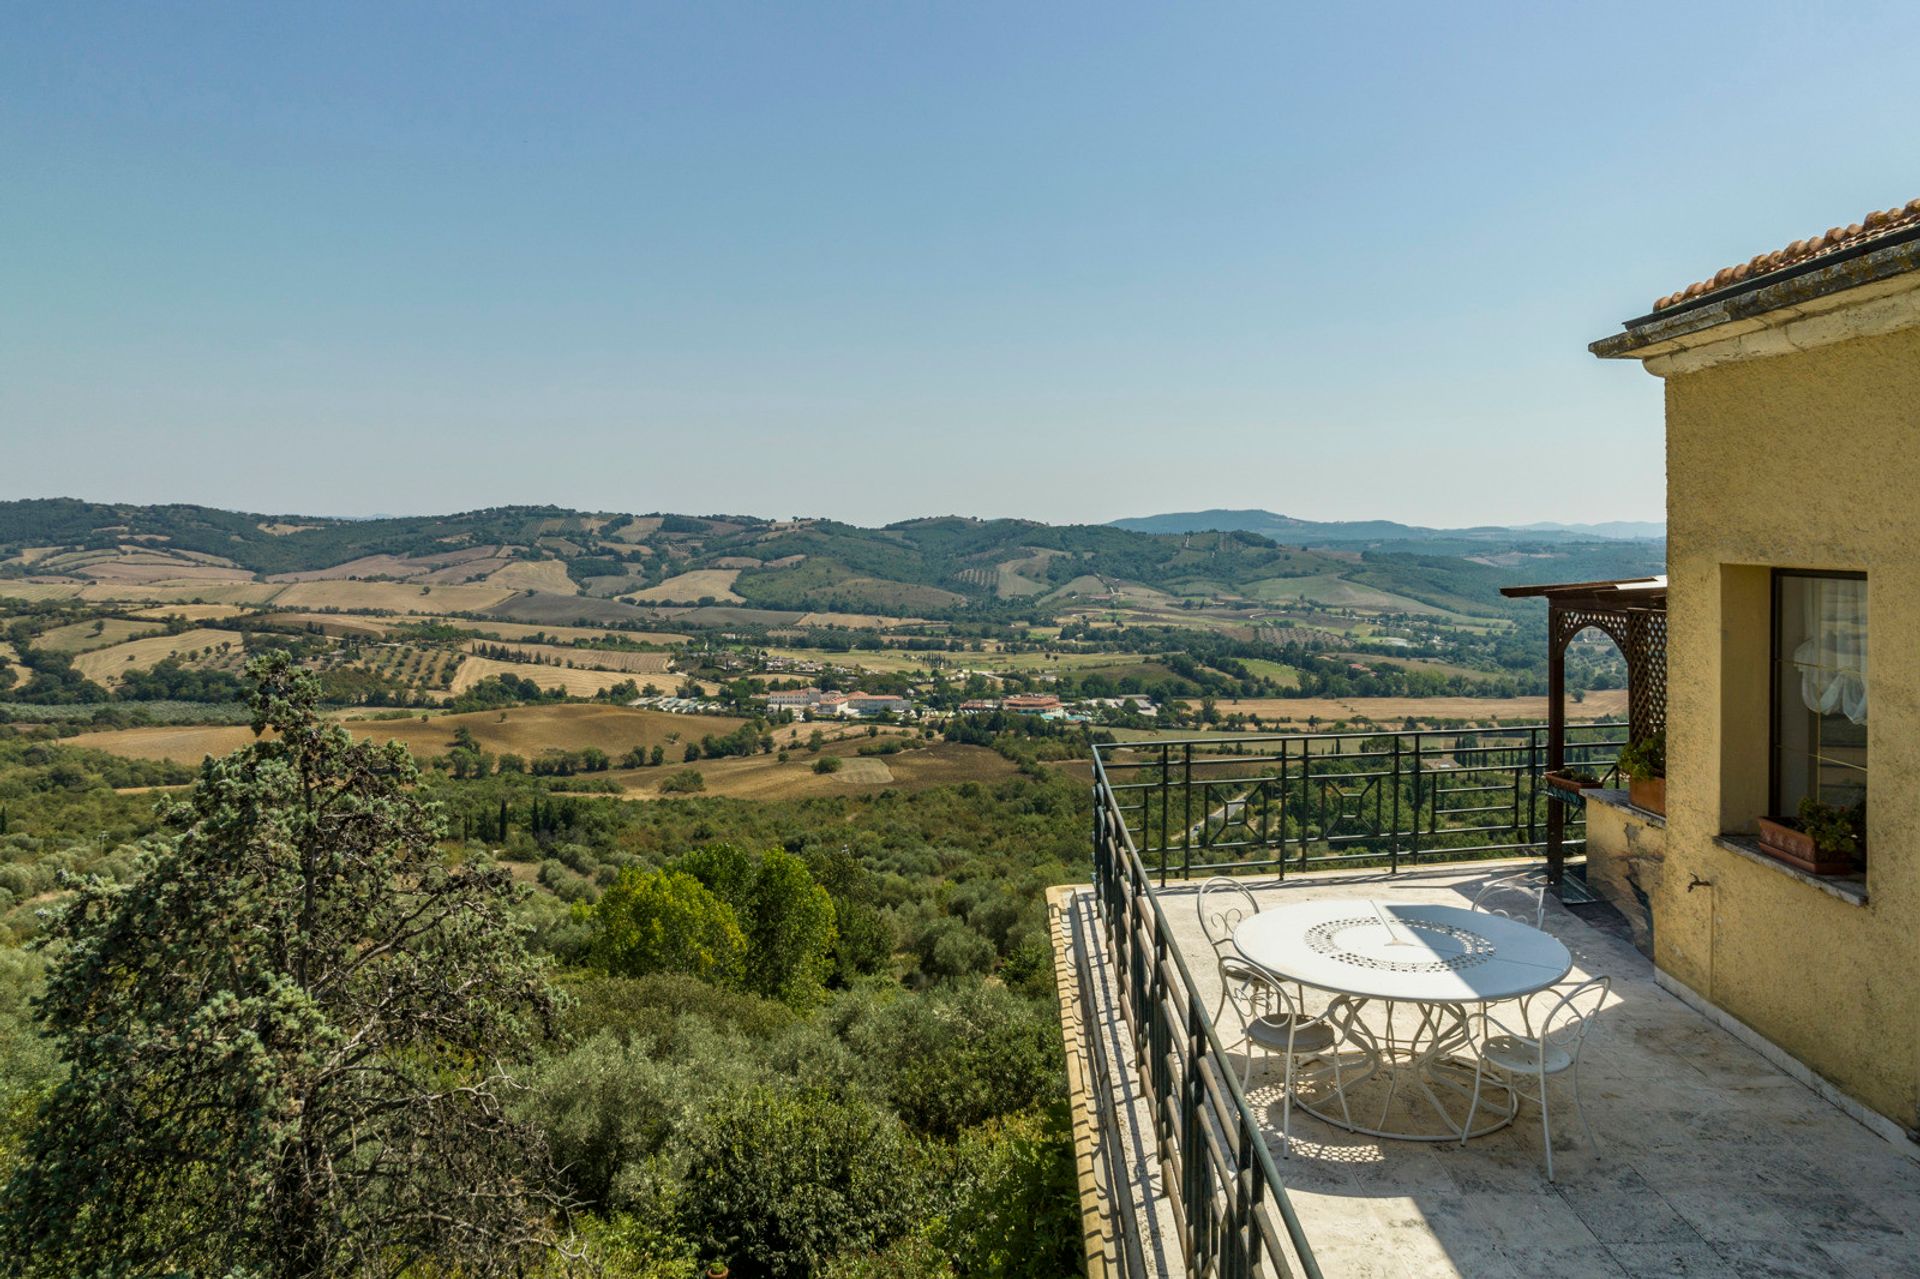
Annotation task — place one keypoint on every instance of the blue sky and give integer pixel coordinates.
(1062, 261)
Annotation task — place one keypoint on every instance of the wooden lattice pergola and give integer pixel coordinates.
(1632, 612)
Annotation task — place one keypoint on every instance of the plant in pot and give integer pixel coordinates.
(1571, 779)
(1824, 839)
(1645, 764)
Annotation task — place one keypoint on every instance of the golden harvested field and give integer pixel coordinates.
(184, 592)
(79, 637)
(765, 777)
(688, 587)
(192, 612)
(530, 630)
(638, 528)
(549, 576)
(106, 666)
(142, 570)
(574, 683)
(35, 592)
(599, 659)
(858, 621)
(397, 597)
(525, 731)
(339, 623)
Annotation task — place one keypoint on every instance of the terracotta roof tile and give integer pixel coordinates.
(1873, 226)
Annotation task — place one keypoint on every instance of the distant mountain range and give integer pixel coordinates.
(549, 564)
(1285, 528)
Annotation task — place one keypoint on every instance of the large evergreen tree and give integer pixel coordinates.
(290, 1041)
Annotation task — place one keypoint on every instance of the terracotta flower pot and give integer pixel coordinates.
(1649, 793)
(1796, 848)
(1568, 783)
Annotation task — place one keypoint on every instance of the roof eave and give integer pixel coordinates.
(1761, 295)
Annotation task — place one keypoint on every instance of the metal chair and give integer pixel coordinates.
(1522, 897)
(1285, 1028)
(1224, 903)
(1554, 1049)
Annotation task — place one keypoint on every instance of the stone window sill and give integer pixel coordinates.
(1851, 889)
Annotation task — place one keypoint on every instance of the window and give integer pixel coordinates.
(1819, 691)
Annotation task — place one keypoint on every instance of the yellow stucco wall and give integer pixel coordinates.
(1807, 460)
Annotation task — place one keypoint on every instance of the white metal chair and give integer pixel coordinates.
(1224, 903)
(1274, 1022)
(1516, 1055)
(1522, 897)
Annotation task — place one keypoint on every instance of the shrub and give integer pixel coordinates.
(687, 781)
(948, 948)
(954, 1058)
(780, 1182)
(611, 1109)
(1016, 1215)
(652, 1008)
(827, 764)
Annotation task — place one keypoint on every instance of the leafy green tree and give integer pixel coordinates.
(288, 1040)
(788, 918)
(666, 921)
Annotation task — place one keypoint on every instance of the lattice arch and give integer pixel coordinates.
(1641, 636)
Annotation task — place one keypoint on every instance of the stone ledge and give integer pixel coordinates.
(1851, 889)
(1618, 799)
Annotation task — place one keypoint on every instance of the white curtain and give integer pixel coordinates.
(1833, 657)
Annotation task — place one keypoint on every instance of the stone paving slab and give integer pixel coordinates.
(1710, 1161)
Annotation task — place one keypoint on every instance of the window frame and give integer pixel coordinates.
(1779, 576)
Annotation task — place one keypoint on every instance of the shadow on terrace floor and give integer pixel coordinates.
(1710, 1161)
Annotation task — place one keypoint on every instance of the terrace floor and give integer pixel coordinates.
(1710, 1160)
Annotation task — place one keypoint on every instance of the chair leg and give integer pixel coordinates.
(1546, 1127)
(1339, 1088)
(1580, 1107)
(1479, 1070)
(1286, 1111)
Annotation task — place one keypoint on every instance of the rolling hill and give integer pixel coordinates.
(548, 565)
(1285, 528)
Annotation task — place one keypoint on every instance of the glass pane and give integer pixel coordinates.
(1820, 691)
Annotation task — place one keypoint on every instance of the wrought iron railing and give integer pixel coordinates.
(1250, 803)
(1242, 802)
(1229, 1204)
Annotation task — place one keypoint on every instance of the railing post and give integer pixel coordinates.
(1186, 831)
(1393, 846)
(1166, 799)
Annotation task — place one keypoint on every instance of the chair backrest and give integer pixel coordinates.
(1224, 904)
(1522, 897)
(1569, 1013)
(1261, 992)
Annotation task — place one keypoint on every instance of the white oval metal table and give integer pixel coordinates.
(1428, 962)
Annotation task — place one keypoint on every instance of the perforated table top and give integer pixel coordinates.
(1387, 950)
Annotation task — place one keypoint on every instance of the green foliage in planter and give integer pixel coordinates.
(1833, 829)
(1646, 759)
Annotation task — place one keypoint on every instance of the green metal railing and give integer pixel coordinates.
(1242, 802)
